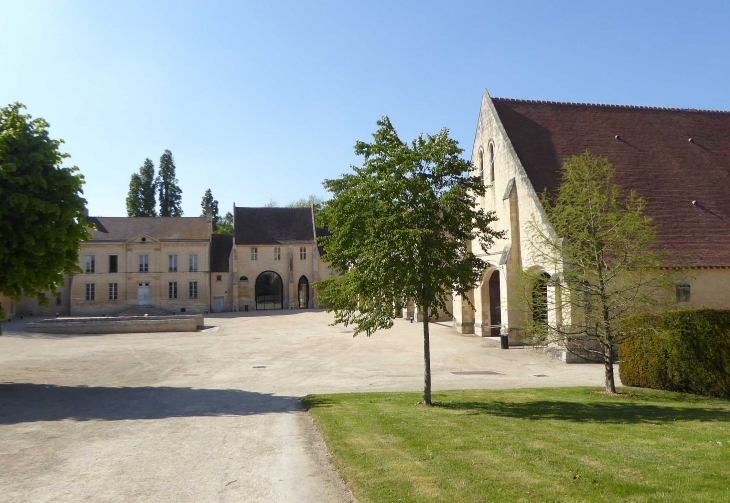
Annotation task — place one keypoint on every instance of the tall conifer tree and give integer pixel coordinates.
(147, 189)
(170, 192)
(134, 197)
(209, 202)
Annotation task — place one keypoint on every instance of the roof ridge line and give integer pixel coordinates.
(611, 105)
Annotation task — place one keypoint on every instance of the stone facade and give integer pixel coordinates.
(512, 194)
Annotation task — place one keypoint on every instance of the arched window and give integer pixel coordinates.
(480, 166)
(490, 151)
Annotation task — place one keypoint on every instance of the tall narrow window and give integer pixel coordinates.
(90, 287)
(58, 298)
(193, 262)
(90, 264)
(113, 263)
(144, 263)
(254, 253)
(683, 292)
(302, 253)
(193, 290)
(40, 301)
(113, 291)
(481, 163)
(277, 253)
(172, 290)
(491, 162)
(172, 263)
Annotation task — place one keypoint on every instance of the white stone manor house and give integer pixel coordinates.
(678, 160)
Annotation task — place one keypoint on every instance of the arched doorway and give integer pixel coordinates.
(495, 305)
(540, 299)
(303, 290)
(269, 291)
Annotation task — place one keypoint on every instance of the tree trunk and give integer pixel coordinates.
(426, 359)
(608, 366)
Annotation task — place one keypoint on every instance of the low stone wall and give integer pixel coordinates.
(117, 325)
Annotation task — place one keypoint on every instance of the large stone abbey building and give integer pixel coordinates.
(678, 160)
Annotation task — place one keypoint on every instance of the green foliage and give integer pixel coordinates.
(604, 250)
(225, 226)
(170, 192)
(271, 204)
(401, 229)
(141, 196)
(307, 202)
(209, 202)
(678, 351)
(134, 196)
(148, 187)
(42, 212)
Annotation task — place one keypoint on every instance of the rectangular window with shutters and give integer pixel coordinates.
(113, 263)
(113, 291)
(193, 263)
(172, 263)
(90, 293)
(172, 290)
(90, 264)
(193, 290)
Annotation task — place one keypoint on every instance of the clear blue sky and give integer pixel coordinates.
(264, 100)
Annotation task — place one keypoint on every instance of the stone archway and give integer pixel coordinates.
(269, 291)
(491, 305)
(303, 292)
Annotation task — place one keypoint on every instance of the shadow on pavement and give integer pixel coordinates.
(29, 402)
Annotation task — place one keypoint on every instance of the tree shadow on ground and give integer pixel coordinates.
(29, 402)
(598, 412)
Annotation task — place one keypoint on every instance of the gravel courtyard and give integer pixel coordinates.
(215, 415)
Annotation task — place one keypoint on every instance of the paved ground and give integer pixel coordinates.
(214, 415)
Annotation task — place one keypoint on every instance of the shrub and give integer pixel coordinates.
(686, 351)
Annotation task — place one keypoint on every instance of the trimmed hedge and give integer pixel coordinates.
(686, 351)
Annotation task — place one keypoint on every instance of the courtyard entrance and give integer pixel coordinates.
(143, 294)
(303, 292)
(269, 291)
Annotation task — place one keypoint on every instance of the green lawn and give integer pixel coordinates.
(532, 445)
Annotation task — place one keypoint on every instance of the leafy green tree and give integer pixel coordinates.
(402, 226)
(225, 226)
(306, 202)
(170, 192)
(271, 204)
(209, 202)
(134, 196)
(605, 250)
(42, 212)
(147, 189)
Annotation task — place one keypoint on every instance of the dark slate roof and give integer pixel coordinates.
(220, 251)
(160, 228)
(270, 226)
(653, 155)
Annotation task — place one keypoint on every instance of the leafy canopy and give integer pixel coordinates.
(42, 212)
(605, 249)
(401, 229)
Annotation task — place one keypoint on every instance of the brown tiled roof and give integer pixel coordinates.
(220, 251)
(161, 228)
(652, 155)
(270, 226)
